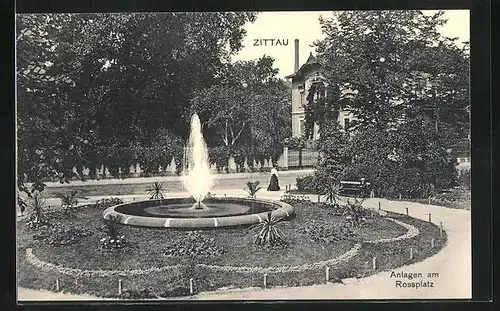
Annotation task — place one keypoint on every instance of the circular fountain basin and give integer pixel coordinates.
(183, 212)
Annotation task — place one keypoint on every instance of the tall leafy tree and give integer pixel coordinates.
(249, 111)
(383, 62)
(407, 86)
(91, 86)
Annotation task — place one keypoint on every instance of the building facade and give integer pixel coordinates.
(302, 80)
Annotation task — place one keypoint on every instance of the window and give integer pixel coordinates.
(302, 127)
(346, 124)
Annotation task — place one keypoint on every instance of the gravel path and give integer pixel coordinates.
(453, 263)
(149, 180)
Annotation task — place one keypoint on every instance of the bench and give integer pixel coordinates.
(354, 188)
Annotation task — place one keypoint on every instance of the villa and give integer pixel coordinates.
(301, 81)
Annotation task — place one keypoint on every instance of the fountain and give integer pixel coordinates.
(197, 211)
(197, 178)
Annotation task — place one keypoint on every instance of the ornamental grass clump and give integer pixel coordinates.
(36, 218)
(252, 188)
(68, 200)
(156, 191)
(112, 228)
(332, 193)
(268, 234)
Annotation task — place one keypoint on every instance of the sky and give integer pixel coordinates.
(305, 27)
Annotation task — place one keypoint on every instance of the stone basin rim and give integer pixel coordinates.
(278, 209)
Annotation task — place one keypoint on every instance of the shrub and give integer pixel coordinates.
(252, 188)
(453, 196)
(239, 153)
(269, 235)
(464, 179)
(219, 156)
(317, 183)
(305, 183)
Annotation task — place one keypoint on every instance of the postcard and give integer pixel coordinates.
(295, 155)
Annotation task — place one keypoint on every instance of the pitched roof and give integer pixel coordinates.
(311, 60)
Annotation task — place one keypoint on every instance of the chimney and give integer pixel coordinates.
(296, 55)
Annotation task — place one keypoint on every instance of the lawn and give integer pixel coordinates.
(230, 247)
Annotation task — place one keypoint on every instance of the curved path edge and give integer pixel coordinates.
(453, 263)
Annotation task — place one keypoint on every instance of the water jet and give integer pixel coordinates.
(197, 211)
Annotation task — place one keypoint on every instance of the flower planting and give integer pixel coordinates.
(60, 235)
(105, 203)
(326, 232)
(315, 239)
(194, 244)
(113, 239)
(295, 198)
(35, 223)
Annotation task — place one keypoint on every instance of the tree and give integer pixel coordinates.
(407, 87)
(375, 59)
(227, 108)
(409, 162)
(249, 112)
(370, 155)
(271, 119)
(81, 77)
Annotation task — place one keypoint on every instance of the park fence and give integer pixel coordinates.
(289, 159)
(304, 158)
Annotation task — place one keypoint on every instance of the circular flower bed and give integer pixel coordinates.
(161, 262)
(194, 244)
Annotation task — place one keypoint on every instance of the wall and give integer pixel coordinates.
(136, 171)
